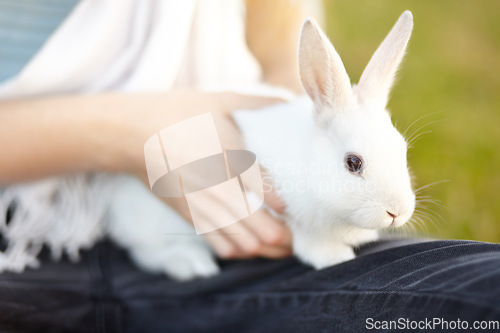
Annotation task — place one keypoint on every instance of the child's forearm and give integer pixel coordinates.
(107, 132)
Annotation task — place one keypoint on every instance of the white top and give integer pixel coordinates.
(141, 45)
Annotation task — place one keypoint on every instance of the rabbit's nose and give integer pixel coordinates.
(392, 215)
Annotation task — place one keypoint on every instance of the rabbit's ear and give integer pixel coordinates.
(376, 80)
(321, 70)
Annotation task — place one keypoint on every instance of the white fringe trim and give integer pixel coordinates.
(65, 213)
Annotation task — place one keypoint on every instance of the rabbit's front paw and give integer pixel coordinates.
(330, 256)
(322, 255)
(181, 262)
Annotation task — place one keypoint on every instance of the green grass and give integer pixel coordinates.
(451, 75)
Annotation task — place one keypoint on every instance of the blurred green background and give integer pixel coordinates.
(451, 75)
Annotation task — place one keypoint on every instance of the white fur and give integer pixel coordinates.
(303, 144)
(158, 239)
(329, 211)
(377, 78)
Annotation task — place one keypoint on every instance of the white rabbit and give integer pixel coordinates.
(308, 145)
(338, 162)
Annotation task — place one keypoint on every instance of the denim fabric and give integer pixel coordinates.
(105, 292)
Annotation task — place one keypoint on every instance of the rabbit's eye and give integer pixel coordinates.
(353, 163)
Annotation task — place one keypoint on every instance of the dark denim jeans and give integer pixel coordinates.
(414, 281)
